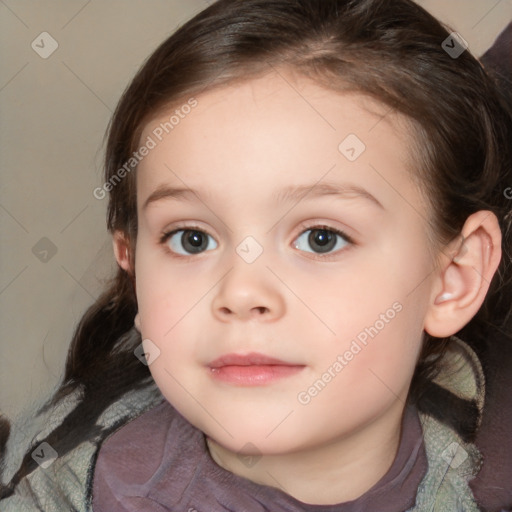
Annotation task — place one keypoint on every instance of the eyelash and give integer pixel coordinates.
(165, 236)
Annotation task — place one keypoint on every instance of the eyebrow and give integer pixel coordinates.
(287, 194)
(341, 190)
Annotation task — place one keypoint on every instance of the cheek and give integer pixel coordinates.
(388, 355)
(167, 294)
(361, 380)
(378, 321)
(375, 296)
(168, 302)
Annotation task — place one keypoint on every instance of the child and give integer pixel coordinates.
(309, 208)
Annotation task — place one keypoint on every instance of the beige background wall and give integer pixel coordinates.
(55, 252)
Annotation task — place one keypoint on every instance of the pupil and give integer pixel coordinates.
(322, 239)
(193, 240)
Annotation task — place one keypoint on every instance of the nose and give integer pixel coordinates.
(248, 292)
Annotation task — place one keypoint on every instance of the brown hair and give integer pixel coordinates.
(387, 49)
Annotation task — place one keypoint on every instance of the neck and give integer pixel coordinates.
(334, 472)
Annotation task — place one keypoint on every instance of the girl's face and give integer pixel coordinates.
(268, 172)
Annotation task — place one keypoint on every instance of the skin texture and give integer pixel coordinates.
(239, 146)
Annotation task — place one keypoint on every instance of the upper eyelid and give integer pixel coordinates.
(325, 225)
(302, 227)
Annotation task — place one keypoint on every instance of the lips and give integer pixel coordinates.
(251, 369)
(247, 360)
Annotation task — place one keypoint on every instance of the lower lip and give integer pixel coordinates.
(253, 375)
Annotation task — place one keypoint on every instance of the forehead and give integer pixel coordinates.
(271, 132)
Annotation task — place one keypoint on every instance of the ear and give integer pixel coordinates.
(122, 251)
(464, 276)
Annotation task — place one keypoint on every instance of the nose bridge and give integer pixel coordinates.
(249, 289)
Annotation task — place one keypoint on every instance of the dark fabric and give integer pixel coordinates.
(498, 60)
(492, 486)
(159, 462)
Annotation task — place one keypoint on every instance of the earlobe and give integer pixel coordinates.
(137, 323)
(465, 275)
(122, 251)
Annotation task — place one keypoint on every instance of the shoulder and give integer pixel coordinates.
(156, 453)
(137, 441)
(462, 474)
(62, 478)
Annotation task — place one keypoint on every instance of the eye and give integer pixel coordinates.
(322, 239)
(191, 241)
